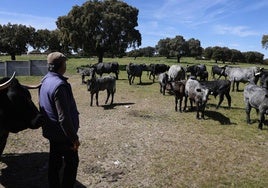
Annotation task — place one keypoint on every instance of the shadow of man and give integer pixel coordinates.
(26, 170)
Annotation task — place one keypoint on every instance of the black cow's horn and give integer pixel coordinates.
(32, 86)
(7, 83)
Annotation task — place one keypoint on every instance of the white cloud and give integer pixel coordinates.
(241, 31)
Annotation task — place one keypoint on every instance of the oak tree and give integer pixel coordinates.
(97, 27)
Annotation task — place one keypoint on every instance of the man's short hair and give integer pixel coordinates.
(55, 60)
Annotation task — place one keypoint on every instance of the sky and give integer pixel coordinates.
(236, 24)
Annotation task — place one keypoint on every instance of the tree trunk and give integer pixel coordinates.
(13, 57)
(100, 57)
(178, 58)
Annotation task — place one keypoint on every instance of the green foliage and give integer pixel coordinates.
(14, 39)
(264, 41)
(97, 27)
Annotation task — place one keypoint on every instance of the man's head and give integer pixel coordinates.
(56, 62)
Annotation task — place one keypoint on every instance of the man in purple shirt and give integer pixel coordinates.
(57, 104)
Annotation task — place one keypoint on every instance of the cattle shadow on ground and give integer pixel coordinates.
(26, 170)
(213, 106)
(145, 83)
(216, 116)
(112, 106)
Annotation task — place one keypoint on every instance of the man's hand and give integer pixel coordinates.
(76, 145)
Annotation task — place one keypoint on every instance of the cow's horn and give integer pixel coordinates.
(7, 83)
(32, 86)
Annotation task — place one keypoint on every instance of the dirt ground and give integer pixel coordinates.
(121, 143)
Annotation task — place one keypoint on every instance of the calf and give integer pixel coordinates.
(256, 97)
(178, 88)
(197, 94)
(219, 87)
(163, 81)
(134, 70)
(94, 85)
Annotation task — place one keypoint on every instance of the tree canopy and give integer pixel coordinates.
(97, 27)
(264, 41)
(15, 38)
(178, 47)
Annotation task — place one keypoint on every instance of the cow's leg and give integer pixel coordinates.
(185, 103)
(97, 98)
(112, 101)
(91, 99)
(161, 90)
(164, 89)
(129, 79)
(180, 103)
(248, 109)
(197, 111)
(261, 120)
(221, 97)
(3, 140)
(233, 85)
(229, 99)
(83, 79)
(132, 81)
(140, 79)
(176, 103)
(108, 95)
(237, 86)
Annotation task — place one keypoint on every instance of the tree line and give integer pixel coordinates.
(178, 47)
(108, 28)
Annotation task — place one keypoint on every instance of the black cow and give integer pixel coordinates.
(111, 67)
(157, 69)
(215, 69)
(256, 97)
(17, 111)
(198, 71)
(94, 85)
(134, 70)
(219, 87)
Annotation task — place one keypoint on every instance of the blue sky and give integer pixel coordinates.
(236, 24)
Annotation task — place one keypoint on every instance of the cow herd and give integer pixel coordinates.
(189, 83)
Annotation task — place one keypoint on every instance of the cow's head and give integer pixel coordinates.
(18, 112)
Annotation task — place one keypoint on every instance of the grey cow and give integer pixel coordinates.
(256, 97)
(197, 94)
(176, 73)
(244, 75)
(94, 85)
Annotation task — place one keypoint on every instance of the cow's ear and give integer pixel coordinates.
(198, 90)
